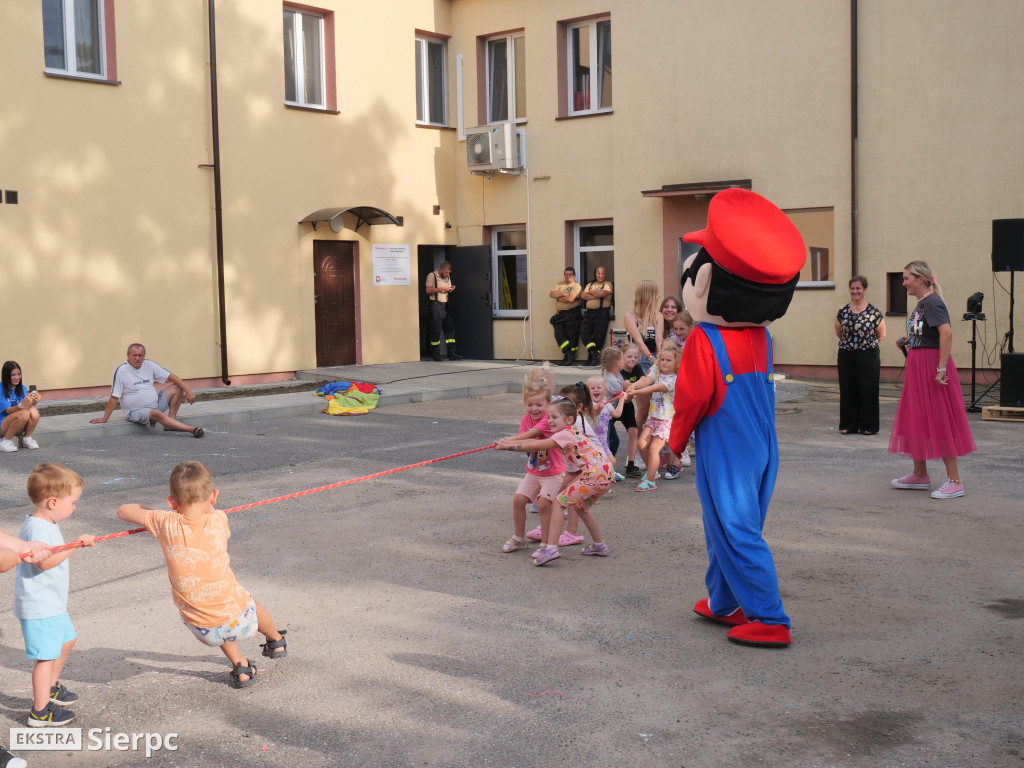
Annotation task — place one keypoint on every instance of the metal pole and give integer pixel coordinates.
(217, 197)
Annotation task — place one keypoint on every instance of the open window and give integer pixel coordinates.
(589, 47)
(505, 76)
(431, 96)
(309, 58)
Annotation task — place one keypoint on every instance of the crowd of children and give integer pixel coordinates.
(571, 443)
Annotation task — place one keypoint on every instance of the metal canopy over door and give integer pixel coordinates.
(334, 290)
(474, 318)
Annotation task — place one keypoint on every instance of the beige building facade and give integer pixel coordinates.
(358, 145)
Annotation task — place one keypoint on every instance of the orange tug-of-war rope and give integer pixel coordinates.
(75, 544)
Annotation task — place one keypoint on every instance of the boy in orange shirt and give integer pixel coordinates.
(194, 537)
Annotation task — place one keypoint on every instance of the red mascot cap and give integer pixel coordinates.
(751, 237)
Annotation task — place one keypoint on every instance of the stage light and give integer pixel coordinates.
(974, 303)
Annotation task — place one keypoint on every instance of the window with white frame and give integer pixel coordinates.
(74, 37)
(508, 253)
(303, 58)
(506, 78)
(589, 47)
(430, 81)
(594, 243)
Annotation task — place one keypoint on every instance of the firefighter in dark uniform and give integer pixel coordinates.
(596, 315)
(567, 317)
(439, 285)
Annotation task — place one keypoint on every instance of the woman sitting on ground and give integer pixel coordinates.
(18, 413)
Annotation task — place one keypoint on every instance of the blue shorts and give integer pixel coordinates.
(45, 638)
(241, 628)
(141, 415)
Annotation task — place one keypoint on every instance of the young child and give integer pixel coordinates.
(14, 551)
(41, 592)
(194, 537)
(661, 386)
(603, 410)
(681, 327)
(593, 411)
(580, 395)
(631, 373)
(594, 476)
(544, 469)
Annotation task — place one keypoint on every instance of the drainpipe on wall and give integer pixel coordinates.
(216, 198)
(854, 257)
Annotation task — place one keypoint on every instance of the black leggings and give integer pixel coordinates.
(628, 419)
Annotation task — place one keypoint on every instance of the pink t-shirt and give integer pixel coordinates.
(541, 463)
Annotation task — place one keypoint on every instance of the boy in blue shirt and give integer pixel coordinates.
(41, 592)
(12, 549)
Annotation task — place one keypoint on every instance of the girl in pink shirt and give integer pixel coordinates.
(544, 468)
(595, 475)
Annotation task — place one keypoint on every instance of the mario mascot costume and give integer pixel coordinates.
(740, 280)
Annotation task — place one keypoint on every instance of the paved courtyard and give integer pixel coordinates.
(415, 642)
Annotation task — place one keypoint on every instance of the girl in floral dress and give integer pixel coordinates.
(595, 475)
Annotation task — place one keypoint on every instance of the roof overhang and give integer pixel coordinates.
(698, 188)
(365, 214)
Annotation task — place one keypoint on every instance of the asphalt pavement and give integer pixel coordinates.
(414, 641)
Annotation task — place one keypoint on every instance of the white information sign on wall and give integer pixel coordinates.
(391, 265)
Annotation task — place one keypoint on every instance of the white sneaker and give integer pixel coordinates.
(29, 442)
(685, 459)
(7, 445)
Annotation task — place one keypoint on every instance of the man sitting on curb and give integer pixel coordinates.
(142, 404)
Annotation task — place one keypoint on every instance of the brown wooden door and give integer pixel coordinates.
(335, 302)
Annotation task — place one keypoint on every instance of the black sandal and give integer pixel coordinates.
(270, 647)
(241, 669)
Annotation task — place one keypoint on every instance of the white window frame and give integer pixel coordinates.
(510, 68)
(594, 64)
(299, 17)
(579, 250)
(424, 91)
(497, 311)
(71, 47)
(812, 254)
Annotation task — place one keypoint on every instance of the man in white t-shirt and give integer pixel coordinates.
(133, 385)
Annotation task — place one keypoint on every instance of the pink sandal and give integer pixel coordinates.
(568, 539)
(513, 544)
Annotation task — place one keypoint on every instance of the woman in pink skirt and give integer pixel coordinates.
(931, 422)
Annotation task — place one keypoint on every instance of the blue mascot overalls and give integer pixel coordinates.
(740, 280)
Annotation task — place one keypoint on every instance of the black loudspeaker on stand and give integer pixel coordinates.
(1007, 256)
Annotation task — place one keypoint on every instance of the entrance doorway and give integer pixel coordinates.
(334, 300)
(470, 303)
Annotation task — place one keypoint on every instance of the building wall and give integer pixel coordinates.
(702, 91)
(941, 152)
(113, 237)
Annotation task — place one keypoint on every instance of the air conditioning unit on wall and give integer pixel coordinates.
(492, 147)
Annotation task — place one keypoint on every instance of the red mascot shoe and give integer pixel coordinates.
(762, 635)
(733, 619)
